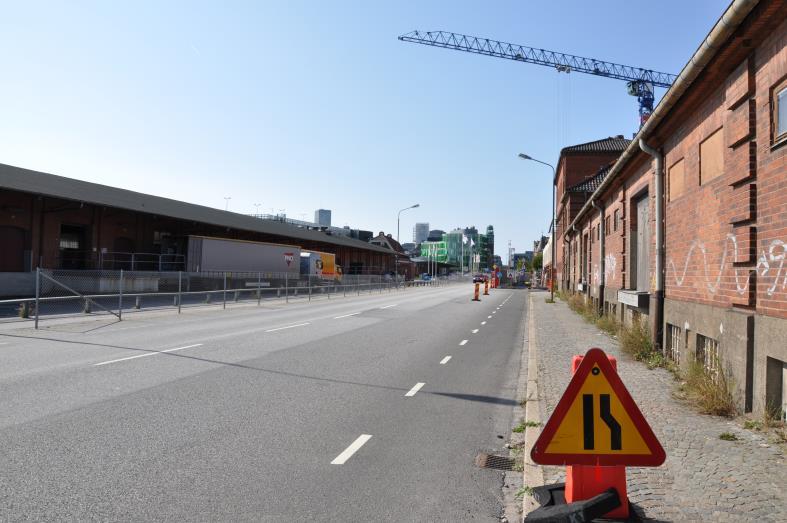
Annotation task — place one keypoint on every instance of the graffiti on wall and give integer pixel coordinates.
(610, 264)
(770, 264)
(774, 259)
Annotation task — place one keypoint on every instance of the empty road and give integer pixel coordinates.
(359, 409)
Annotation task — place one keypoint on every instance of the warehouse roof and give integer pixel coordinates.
(25, 180)
(605, 145)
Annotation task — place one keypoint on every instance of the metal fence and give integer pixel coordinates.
(62, 293)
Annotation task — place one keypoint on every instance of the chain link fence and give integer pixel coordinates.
(64, 293)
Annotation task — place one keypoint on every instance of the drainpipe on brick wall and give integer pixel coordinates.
(601, 253)
(567, 240)
(657, 298)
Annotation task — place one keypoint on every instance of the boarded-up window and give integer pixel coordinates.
(712, 157)
(677, 179)
(617, 219)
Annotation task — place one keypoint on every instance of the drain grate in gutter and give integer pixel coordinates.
(490, 461)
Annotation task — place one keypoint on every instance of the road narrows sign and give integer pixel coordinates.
(597, 422)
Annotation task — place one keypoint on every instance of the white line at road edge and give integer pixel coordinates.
(287, 327)
(146, 354)
(352, 449)
(462, 342)
(389, 306)
(415, 389)
(347, 315)
(483, 323)
(445, 360)
(475, 331)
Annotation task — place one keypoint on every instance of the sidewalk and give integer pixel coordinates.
(704, 477)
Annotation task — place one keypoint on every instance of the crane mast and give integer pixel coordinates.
(640, 82)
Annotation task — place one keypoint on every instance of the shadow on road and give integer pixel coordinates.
(454, 395)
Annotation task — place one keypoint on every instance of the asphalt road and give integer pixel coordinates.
(368, 408)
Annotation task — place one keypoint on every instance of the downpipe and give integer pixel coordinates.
(657, 297)
(601, 254)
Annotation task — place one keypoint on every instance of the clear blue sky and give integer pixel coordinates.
(306, 105)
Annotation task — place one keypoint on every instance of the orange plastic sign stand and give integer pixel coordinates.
(597, 422)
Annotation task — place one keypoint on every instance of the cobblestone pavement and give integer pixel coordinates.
(704, 477)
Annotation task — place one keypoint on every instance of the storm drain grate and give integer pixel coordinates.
(490, 461)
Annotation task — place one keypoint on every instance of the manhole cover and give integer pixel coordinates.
(490, 461)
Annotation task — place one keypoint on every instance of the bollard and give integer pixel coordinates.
(486, 287)
(86, 307)
(138, 303)
(475, 293)
(586, 481)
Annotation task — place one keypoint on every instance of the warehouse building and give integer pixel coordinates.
(687, 228)
(53, 222)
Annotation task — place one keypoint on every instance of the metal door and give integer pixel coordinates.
(643, 245)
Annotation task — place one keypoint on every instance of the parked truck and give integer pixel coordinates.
(319, 264)
(206, 254)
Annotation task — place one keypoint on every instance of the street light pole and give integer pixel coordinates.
(553, 271)
(227, 202)
(398, 215)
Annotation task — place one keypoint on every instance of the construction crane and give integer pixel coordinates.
(640, 82)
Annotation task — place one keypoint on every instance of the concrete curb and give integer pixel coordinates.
(533, 473)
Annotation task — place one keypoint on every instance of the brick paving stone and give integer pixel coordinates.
(704, 478)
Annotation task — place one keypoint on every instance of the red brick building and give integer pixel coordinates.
(688, 227)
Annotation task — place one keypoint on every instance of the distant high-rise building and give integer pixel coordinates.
(420, 232)
(322, 217)
(435, 235)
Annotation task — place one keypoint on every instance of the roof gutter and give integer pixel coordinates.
(721, 32)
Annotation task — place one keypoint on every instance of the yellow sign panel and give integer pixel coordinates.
(584, 430)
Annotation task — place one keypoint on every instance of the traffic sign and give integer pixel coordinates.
(597, 422)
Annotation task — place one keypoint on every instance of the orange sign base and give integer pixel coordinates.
(586, 481)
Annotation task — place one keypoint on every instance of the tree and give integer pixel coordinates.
(538, 261)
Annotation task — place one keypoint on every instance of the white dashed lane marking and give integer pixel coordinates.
(352, 449)
(146, 354)
(415, 389)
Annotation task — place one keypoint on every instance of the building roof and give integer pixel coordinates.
(613, 144)
(592, 183)
(26, 180)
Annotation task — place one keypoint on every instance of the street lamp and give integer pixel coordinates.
(399, 214)
(227, 202)
(396, 259)
(554, 219)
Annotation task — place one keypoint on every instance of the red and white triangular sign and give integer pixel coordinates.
(596, 422)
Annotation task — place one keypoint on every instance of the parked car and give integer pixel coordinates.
(480, 278)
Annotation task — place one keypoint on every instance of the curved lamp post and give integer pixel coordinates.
(554, 181)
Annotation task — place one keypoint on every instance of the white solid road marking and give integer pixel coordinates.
(287, 327)
(483, 323)
(445, 360)
(462, 342)
(146, 355)
(415, 389)
(347, 315)
(389, 306)
(475, 330)
(352, 449)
